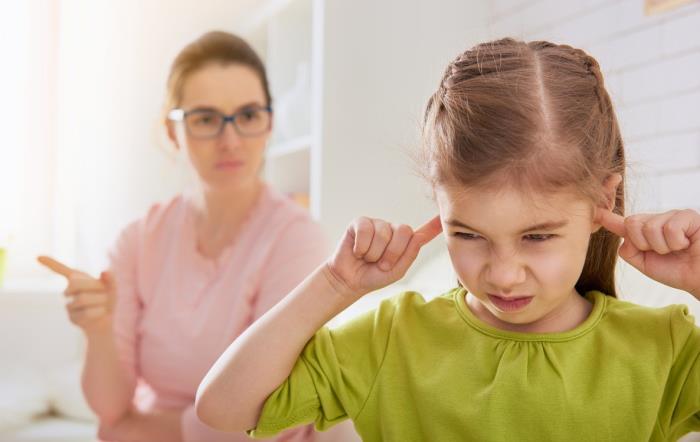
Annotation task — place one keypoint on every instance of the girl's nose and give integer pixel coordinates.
(505, 274)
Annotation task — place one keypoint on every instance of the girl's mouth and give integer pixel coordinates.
(510, 304)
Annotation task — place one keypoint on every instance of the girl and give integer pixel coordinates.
(194, 272)
(524, 154)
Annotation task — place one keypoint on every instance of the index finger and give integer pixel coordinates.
(430, 229)
(612, 222)
(56, 266)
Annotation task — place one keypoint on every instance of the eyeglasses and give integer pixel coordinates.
(209, 123)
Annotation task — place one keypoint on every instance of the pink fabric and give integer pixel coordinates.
(177, 311)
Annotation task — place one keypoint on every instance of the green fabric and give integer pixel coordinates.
(431, 371)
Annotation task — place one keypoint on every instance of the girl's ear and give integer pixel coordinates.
(610, 186)
(170, 128)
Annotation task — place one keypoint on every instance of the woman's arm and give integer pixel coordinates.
(371, 255)
(137, 426)
(90, 306)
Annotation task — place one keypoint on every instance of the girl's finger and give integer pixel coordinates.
(411, 253)
(632, 255)
(611, 221)
(653, 231)
(428, 231)
(380, 240)
(633, 231)
(399, 240)
(362, 230)
(679, 230)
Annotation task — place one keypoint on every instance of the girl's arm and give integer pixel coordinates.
(371, 255)
(107, 388)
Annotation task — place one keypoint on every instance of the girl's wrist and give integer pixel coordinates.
(337, 288)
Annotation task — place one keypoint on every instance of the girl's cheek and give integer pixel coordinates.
(557, 268)
(466, 261)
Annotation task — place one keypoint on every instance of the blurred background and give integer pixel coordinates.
(83, 150)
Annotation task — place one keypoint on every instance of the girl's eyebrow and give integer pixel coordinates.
(547, 225)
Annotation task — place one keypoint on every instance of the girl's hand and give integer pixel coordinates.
(374, 254)
(664, 246)
(91, 301)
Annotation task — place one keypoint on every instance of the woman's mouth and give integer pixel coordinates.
(510, 303)
(228, 164)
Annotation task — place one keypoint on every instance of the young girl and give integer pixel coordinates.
(524, 154)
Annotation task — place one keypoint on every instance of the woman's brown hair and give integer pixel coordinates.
(212, 47)
(535, 115)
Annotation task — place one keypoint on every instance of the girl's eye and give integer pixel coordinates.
(539, 237)
(465, 235)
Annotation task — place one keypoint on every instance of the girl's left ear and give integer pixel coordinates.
(610, 186)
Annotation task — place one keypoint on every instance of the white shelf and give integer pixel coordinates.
(288, 147)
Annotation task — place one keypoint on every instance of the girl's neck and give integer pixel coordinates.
(218, 216)
(571, 313)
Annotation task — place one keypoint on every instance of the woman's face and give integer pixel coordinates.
(227, 161)
(518, 254)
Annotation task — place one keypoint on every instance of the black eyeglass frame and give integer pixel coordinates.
(179, 114)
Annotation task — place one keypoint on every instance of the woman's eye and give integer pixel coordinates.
(204, 119)
(250, 115)
(539, 237)
(465, 235)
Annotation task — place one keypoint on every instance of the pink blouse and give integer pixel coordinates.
(177, 311)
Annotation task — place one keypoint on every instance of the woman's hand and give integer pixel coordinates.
(374, 253)
(137, 426)
(663, 246)
(91, 301)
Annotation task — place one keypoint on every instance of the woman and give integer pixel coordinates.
(190, 276)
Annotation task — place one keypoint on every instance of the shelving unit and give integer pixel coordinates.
(282, 32)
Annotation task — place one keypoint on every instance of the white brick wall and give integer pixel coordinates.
(651, 66)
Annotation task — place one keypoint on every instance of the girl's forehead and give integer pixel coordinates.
(507, 204)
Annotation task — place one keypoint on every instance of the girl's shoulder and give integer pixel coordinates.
(673, 324)
(627, 311)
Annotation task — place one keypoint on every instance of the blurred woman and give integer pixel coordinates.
(193, 273)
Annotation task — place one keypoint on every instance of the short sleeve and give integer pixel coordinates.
(333, 377)
(128, 309)
(301, 247)
(194, 430)
(682, 395)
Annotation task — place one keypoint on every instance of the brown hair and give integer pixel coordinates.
(212, 47)
(535, 115)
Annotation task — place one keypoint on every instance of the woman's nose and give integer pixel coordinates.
(229, 137)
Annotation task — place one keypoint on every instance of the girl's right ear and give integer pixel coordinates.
(170, 128)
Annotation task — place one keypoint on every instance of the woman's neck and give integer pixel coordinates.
(220, 214)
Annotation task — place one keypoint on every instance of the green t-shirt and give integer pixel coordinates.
(431, 371)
